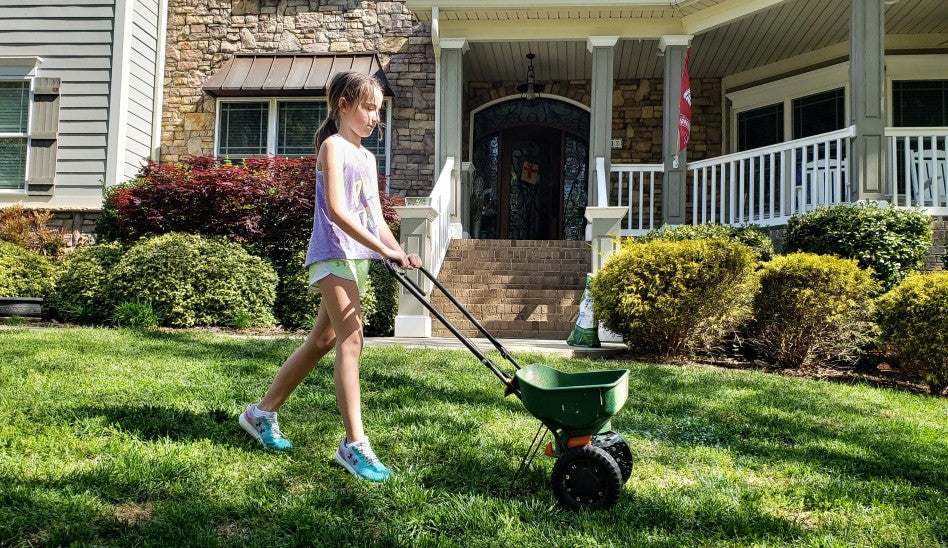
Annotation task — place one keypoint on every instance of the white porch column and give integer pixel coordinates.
(450, 122)
(412, 319)
(674, 206)
(600, 124)
(867, 92)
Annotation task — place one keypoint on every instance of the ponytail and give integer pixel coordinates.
(325, 130)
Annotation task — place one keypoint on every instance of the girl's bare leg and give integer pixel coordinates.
(341, 301)
(319, 341)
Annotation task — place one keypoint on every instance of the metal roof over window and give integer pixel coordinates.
(289, 74)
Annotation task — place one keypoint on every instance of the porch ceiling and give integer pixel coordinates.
(780, 31)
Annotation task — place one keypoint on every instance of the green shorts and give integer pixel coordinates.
(356, 270)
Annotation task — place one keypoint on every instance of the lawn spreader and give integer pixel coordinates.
(592, 461)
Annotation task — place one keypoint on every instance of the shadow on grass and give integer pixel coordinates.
(154, 422)
(780, 421)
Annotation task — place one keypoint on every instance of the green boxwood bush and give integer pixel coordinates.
(811, 308)
(296, 304)
(192, 280)
(80, 293)
(670, 298)
(24, 273)
(891, 241)
(913, 325)
(380, 321)
(754, 236)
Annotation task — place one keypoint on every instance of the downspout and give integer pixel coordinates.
(436, 45)
(118, 91)
(158, 104)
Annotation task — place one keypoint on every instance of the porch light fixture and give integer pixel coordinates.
(530, 88)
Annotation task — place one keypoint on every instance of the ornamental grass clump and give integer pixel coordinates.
(192, 280)
(671, 298)
(811, 309)
(913, 326)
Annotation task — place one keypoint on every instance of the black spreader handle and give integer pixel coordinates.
(500, 348)
(413, 288)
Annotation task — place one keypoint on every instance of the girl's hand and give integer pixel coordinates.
(399, 258)
(414, 261)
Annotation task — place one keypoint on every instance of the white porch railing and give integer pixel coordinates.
(633, 186)
(440, 200)
(918, 168)
(766, 186)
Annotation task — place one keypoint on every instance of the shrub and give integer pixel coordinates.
(27, 229)
(191, 280)
(913, 323)
(669, 298)
(890, 241)
(380, 321)
(752, 235)
(296, 304)
(811, 308)
(80, 293)
(24, 273)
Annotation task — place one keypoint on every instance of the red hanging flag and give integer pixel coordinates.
(684, 107)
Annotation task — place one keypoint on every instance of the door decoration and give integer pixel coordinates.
(530, 173)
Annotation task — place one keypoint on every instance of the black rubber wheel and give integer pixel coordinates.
(586, 477)
(618, 449)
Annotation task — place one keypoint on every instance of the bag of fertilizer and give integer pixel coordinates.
(586, 332)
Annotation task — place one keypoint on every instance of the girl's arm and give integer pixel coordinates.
(331, 156)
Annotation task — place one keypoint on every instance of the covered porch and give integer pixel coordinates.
(611, 76)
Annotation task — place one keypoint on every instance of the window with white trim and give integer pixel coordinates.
(14, 133)
(284, 127)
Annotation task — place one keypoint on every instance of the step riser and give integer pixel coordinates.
(528, 289)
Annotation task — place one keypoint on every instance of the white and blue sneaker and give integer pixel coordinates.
(264, 428)
(360, 460)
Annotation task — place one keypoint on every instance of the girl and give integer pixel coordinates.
(348, 231)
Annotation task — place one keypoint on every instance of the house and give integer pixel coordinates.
(527, 129)
(80, 99)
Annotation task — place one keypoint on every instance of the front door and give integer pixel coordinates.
(530, 184)
(530, 170)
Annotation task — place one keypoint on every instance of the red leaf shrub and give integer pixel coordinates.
(267, 202)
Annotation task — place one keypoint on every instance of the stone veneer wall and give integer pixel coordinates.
(203, 35)
(77, 226)
(636, 114)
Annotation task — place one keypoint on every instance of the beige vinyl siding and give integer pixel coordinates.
(74, 40)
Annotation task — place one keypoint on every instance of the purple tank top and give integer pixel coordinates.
(360, 177)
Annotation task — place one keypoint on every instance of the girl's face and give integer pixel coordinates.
(361, 118)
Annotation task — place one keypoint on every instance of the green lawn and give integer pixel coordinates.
(130, 438)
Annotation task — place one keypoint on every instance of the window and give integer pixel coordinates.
(920, 103)
(282, 127)
(819, 113)
(760, 127)
(14, 133)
